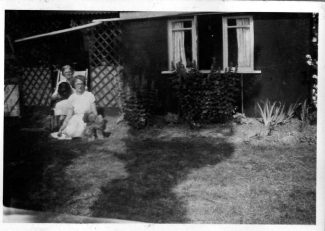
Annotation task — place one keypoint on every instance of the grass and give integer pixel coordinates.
(258, 185)
(149, 177)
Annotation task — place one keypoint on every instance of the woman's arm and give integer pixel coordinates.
(55, 96)
(93, 108)
(66, 120)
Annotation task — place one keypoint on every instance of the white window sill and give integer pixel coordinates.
(222, 72)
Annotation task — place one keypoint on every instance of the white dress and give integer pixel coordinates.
(62, 107)
(80, 104)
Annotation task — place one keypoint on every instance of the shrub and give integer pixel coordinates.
(312, 61)
(138, 106)
(205, 98)
(221, 95)
(171, 118)
(312, 69)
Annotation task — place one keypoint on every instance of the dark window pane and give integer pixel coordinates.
(231, 22)
(188, 47)
(210, 41)
(232, 48)
(187, 24)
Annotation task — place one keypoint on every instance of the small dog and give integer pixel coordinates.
(95, 126)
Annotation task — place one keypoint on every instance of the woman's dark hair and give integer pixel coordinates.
(64, 90)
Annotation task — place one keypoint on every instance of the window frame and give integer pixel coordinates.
(225, 28)
(193, 29)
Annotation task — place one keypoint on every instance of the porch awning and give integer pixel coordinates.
(59, 31)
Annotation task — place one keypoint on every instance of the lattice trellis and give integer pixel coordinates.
(12, 100)
(36, 86)
(105, 67)
(105, 85)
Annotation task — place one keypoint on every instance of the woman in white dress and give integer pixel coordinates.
(80, 102)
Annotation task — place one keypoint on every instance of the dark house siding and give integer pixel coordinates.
(145, 45)
(145, 54)
(281, 43)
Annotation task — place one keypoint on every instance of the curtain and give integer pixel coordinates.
(243, 42)
(179, 44)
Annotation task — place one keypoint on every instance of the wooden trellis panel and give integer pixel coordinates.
(105, 66)
(36, 86)
(105, 85)
(12, 100)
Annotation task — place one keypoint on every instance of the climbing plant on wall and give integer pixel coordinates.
(206, 98)
(312, 60)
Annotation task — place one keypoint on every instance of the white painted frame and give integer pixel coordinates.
(194, 38)
(225, 40)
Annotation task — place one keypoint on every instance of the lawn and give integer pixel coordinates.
(164, 175)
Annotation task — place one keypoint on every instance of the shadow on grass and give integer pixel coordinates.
(35, 174)
(155, 167)
(34, 167)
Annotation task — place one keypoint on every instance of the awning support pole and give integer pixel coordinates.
(242, 92)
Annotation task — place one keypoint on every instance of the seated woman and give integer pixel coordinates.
(66, 77)
(80, 102)
(62, 92)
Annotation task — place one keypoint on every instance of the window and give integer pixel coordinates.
(182, 42)
(209, 28)
(226, 41)
(238, 42)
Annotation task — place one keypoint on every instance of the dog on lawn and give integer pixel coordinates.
(95, 125)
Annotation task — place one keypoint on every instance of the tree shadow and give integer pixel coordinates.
(155, 167)
(34, 174)
(33, 167)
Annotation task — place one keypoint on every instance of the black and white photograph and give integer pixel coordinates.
(181, 116)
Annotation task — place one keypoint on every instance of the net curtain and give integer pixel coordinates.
(243, 42)
(179, 44)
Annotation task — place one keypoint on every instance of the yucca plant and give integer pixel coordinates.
(304, 111)
(291, 110)
(304, 115)
(279, 116)
(266, 112)
(272, 114)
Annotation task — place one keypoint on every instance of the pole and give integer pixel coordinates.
(242, 92)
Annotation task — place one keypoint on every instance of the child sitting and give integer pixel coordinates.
(95, 125)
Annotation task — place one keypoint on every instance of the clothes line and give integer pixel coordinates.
(59, 31)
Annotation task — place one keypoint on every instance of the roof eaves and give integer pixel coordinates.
(149, 15)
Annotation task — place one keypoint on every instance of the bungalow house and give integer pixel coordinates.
(269, 50)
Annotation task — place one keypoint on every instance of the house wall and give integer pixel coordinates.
(145, 55)
(281, 43)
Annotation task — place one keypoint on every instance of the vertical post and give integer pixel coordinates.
(242, 92)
